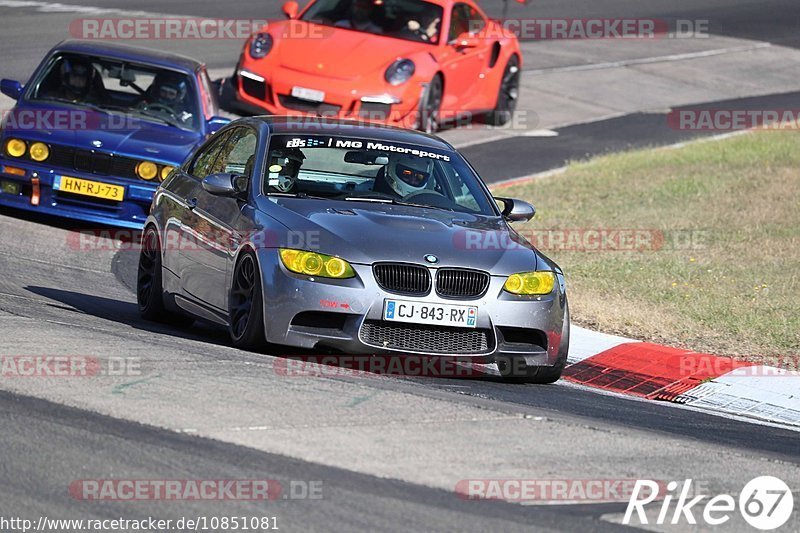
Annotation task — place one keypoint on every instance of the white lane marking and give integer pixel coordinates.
(540, 133)
(56, 7)
(758, 391)
(498, 134)
(525, 179)
(649, 60)
(683, 406)
(560, 170)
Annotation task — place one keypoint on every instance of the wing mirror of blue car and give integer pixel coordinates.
(290, 9)
(11, 88)
(216, 123)
(515, 210)
(226, 184)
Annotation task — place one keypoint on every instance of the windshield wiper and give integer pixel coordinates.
(377, 200)
(393, 201)
(160, 117)
(90, 105)
(103, 108)
(297, 195)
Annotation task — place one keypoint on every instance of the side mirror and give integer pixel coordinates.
(11, 88)
(216, 123)
(291, 9)
(225, 184)
(466, 40)
(516, 210)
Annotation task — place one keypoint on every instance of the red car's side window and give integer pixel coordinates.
(465, 19)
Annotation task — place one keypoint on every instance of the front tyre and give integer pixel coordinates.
(430, 107)
(246, 310)
(507, 96)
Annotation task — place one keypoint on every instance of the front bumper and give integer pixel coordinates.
(272, 93)
(347, 316)
(131, 212)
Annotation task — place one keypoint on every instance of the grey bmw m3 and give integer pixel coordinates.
(340, 236)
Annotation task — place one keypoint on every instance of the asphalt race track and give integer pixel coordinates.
(387, 452)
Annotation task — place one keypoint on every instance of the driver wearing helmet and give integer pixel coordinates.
(78, 82)
(407, 174)
(171, 93)
(168, 93)
(284, 168)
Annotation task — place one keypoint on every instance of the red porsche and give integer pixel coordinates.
(413, 63)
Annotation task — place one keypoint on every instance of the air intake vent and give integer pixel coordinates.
(426, 339)
(402, 278)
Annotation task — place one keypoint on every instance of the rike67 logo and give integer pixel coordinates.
(765, 503)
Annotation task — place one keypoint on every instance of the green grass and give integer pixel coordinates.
(736, 291)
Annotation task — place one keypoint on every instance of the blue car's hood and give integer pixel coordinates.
(92, 130)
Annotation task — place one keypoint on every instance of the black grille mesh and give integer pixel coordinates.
(403, 279)
(460, 283)
(426, 339)
(92, 162)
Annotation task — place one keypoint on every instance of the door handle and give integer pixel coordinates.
(191, 203)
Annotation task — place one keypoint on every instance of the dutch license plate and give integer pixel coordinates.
(89, 188)
(311, 95)
(463, 316)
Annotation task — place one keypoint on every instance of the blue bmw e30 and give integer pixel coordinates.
(98, 127)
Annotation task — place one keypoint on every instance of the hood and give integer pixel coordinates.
(341, 53)
(93, 130)
(366, 233)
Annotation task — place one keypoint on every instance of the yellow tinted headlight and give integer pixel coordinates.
(165, 172)
(146, 170)
(314, 264)
(15, 147)
(530, 283)
(39, 151)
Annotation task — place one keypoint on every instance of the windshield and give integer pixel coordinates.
(368, 170)
(148, 93)
(411, 20)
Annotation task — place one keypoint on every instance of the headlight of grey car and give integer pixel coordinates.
(530, 283)
(314, 264)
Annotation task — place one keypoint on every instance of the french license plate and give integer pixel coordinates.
(10, 187)
(89, 188)
(311, 95)
(463, 316)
